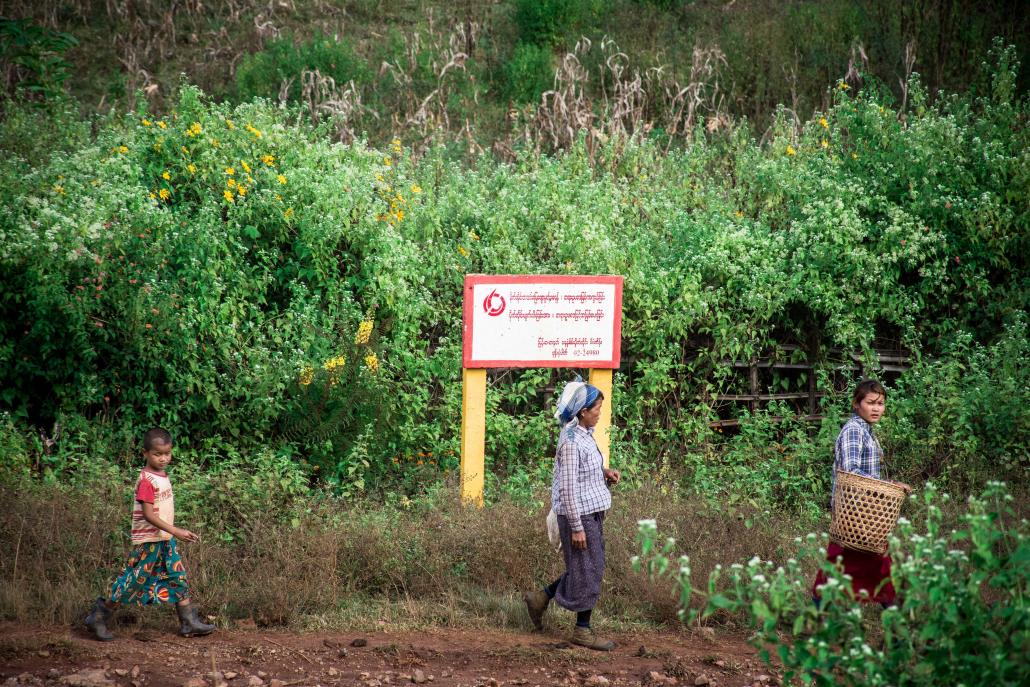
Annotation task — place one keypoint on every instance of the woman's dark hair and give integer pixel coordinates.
(866, 387)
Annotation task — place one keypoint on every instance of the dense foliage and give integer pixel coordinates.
(212, 269)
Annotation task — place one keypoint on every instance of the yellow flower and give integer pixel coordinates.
(791, 151)
(153, 196)
(241, 190)
(122, 149)
(229, 124)
(228, 195)
(379, 176)
(164, 193)
(230, 171)
(194, 129)
(162, 125)
(464, 253)
(364, 332)
(255, 132)
(739, 214)
(823, 123)
(59, 189)
(281, 178)
(230, 183)
(825, 143)
(147, 122)
(843, 86)
(854, 156)
(387, 161)
(474, 236)
(185, 150)
(278, 197)
(166, 176)
(400, 215)
(191, 168)
(334, 363)
(307, 374)
(289, 213)
(246, 167)
(268, 160)
(415, 188)
(372, 362)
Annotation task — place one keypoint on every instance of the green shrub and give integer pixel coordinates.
(15, 463)
(966, 415)
(265, 73)
(528, 73)
(551, 22)
(857, 228)
(35, 57)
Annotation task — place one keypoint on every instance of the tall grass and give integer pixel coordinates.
(344, 562)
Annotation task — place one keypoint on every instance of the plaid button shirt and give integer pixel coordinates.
(857, 450)
(578, 487)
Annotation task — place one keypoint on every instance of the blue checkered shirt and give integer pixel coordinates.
(578, 487)
(857, 450)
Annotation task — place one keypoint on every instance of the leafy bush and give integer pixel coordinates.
(962, 617)
(550, 22)
(32, 58)
(964, 415)
(187, 269)
(528, 73)
(280, 65)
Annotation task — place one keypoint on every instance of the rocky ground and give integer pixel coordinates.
(61, 657)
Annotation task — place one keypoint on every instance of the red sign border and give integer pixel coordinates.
(471, 280)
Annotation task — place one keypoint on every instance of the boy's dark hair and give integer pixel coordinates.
(866, 387)
(156, 435)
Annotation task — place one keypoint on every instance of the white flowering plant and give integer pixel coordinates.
(962, 615)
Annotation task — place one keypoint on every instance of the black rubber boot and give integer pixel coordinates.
(191, 625)
(97, 621)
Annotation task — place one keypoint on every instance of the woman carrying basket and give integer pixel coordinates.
(858, 451)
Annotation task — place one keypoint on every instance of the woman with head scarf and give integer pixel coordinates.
(580, 498)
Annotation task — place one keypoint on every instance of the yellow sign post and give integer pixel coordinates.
(473, 434)
(602, 379)
(534, 321)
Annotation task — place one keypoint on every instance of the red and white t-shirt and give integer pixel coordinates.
(152, 487)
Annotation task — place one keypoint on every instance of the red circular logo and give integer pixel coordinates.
(493, 305)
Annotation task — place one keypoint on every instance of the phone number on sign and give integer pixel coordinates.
(576, 353)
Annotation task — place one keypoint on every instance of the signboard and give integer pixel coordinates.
(542, 320)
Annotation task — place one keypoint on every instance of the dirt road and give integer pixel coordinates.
(444, 657)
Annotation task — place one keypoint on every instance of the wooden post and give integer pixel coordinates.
(473, 435)
(753, 379)
(602, 379)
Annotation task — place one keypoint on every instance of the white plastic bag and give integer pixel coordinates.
(553, 534)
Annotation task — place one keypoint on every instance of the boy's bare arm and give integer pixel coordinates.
(150, 516)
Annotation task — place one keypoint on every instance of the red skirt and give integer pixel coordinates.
(867, 571)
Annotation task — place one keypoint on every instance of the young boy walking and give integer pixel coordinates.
(154, 573)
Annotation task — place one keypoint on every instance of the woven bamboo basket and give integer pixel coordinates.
(865, 510)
